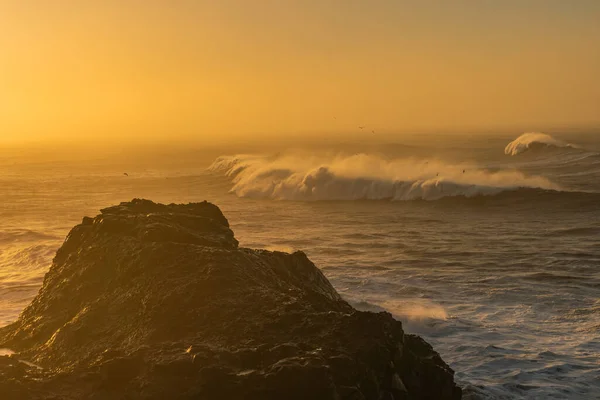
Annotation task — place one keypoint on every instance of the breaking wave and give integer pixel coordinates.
(365, 177)
(405, 309)
(531, 140)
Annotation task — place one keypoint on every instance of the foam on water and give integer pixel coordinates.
(527, 140)
(364, 176)
(24, 258)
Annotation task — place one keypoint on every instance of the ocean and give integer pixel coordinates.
(489, 249)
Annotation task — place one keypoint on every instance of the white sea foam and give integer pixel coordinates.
(365, 177)
(527, 140)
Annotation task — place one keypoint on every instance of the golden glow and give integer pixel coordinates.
(215, 70)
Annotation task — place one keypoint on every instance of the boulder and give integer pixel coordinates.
(152, 301)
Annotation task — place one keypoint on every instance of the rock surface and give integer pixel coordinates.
(150, 301)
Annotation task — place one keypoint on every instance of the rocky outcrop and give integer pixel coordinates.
(155, 301)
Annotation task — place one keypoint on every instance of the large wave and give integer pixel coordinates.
(364, 177)
(531, 140)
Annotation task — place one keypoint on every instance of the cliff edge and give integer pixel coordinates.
(152, 301)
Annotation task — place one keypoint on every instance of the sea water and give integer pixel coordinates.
(491, 251)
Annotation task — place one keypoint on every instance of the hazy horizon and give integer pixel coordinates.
(213, 72)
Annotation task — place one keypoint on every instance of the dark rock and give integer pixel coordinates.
(156, 301)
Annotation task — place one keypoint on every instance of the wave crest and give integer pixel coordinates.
(364, 177)
(530, 140)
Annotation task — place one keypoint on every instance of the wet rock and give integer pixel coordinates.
(158, 301)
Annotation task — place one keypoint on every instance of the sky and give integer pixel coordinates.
(217, 71)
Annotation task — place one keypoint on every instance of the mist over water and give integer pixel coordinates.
(494, 258)
(366, 177)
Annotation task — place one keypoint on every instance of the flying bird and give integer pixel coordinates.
(125, 173)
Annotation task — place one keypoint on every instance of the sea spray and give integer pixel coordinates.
(527, 140)
(365, 177)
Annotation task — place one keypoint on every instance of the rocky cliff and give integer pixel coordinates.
(151, 301)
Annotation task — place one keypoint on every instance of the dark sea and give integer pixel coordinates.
(489, 249)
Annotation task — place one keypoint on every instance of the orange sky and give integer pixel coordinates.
(218, 70)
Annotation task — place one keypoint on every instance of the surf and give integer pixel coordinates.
(365, 177)
(535, 140)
